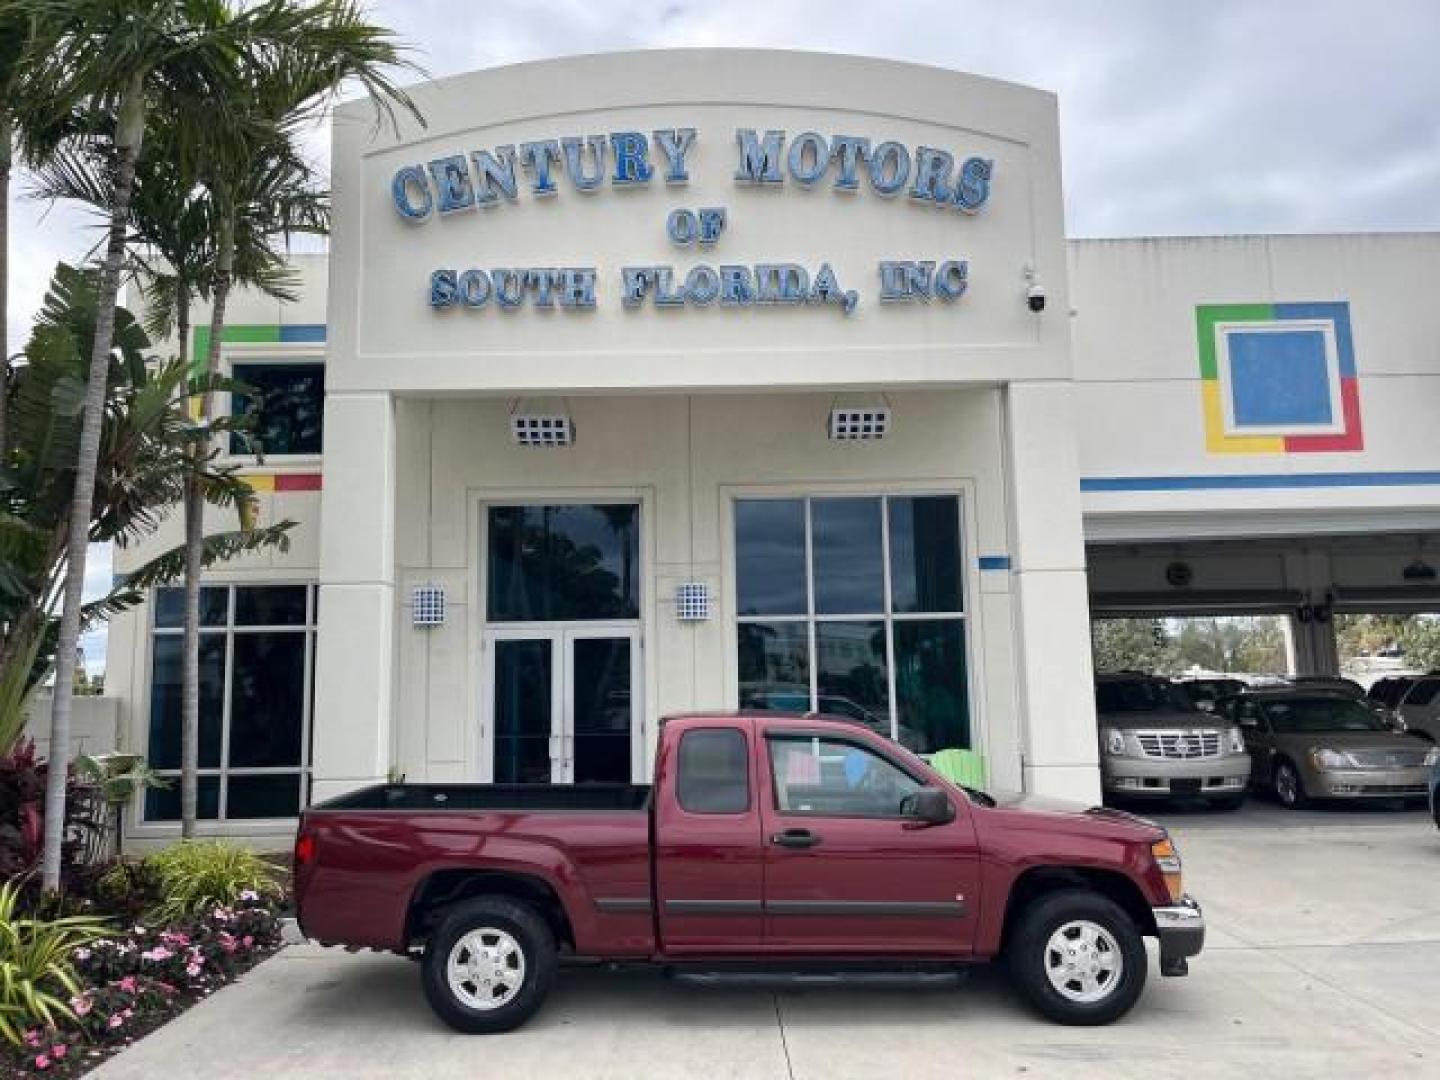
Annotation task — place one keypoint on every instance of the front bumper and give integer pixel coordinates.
(1225, 775)
(1180, 928)
(1369, 783)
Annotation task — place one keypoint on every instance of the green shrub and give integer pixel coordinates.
(197, 875)
(36, 977)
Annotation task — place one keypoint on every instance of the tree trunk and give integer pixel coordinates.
(128, 138)
(194, 547)
(7, 134)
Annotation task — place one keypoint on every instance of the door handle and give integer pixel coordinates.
(795, 838)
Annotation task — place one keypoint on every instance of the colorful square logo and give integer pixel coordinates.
(1278, 378)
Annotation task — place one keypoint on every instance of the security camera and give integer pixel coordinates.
(1035, 297)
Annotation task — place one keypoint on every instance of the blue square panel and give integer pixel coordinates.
(1279, 377)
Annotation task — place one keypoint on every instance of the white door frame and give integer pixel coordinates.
(561, 637)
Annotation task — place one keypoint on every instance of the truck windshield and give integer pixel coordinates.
(1141, 696)
(1321, 714)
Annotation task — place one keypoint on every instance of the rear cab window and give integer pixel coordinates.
(714, 772)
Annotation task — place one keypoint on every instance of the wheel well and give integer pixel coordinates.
(1042, 881)
(446, 887)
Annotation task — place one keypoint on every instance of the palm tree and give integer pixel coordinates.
(261, 193)
(107, 62)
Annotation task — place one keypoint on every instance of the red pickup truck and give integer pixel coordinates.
(768, 844)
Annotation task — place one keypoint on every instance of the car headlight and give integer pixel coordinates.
(1114, 741)
(1237, 741)
(1432, 757)
(1330, 759)
(1167, 858)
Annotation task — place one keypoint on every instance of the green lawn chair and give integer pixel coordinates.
(963, 767)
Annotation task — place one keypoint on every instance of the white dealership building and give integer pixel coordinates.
(644, 383)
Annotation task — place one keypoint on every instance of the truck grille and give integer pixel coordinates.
(1387, 759)
(1180, 745)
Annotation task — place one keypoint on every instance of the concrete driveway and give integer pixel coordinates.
(1323, 961)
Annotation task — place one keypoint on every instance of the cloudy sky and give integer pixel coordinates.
(1176, 118)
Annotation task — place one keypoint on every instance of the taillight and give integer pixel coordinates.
(304, 850)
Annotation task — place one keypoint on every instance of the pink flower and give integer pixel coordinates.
(227, 941)
(192, 969)
(128, 985)
(58, 1051)
(115, 1021)
(247, 941)
(157, 954)
(80, 1005)
(127, 1013)
(171, 938)
(32, 1037)
(42, 1061)
(81, 953)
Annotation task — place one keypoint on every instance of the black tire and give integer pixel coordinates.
(536, 945)
(1289, 789)
(1029, 955)
(1228, 804)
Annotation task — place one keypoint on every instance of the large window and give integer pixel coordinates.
(563, 563)
(854, 606)
(288, 403)
(257, 645)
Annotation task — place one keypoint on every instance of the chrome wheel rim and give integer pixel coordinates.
(485, 969)
(1083, 962)
(1287, 784)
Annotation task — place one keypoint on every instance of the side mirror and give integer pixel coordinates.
(928, 806)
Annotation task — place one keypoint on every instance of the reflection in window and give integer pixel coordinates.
(288, 403)
(818, 630)
(837, 778)
(570, 562)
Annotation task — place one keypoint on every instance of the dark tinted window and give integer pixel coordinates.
(165, 699)
(288, 403)
(714, 775)
(849, 568)
(1423, 692)
(1337, 713)
(564, 562)
(267, 699)
(770, 557)
(270, 605)
(170, 606)
(925, 553)
(1141, 696)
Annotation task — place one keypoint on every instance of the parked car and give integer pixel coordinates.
(765, 840)
(1155, 743)
(1389, 690)
(1435, 789)
(1320, 744)
(1205, 692)
(1420, 708)
(1350, 688)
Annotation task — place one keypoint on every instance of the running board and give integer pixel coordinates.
(808, 980)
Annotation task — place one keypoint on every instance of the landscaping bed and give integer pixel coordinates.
(135, 943)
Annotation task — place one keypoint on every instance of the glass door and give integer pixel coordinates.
(561, 706)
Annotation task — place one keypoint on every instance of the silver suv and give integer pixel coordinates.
(1155, 743)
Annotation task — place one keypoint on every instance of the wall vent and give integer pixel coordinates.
(848, 425)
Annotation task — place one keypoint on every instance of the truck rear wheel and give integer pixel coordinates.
(1078, 957)
(489, 965)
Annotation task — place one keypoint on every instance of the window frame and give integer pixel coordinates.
(845, 739)
(268, 354)
(967, 572)
(303, 772)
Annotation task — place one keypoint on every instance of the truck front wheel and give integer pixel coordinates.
(489, 965)
(1078, 957)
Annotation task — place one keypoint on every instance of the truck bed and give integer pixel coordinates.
(529, 797)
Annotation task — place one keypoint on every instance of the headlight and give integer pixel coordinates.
(1432, 757)
(1167, 858)
(1330, 759)
(1114, 741)
(1237, 741)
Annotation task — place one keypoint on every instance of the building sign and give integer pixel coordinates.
(849, 165)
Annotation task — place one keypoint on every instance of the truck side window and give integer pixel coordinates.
(714, 774)
(837, 778)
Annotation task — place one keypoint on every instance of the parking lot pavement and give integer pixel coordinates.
(1323, 960)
